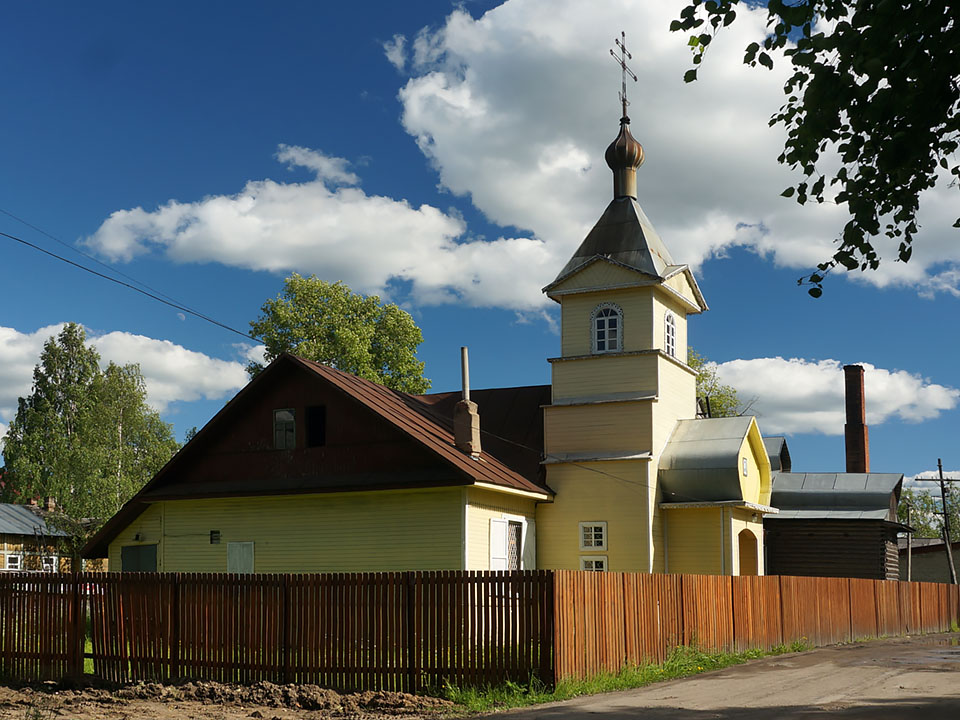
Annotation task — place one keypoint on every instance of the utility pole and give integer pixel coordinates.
(909, 545)
(946, 524)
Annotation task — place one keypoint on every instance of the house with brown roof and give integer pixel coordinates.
(312, 469)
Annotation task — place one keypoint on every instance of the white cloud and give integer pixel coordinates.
(172, 372)
(807, 396)
(395, 50)
(513, 110)
(339, 233)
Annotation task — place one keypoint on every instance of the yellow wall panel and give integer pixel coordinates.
(577, 310)
(680, 283)
(149, 525)
(601, 375)
(342, 532)
(694, 542)
(602, 428)
(599, 274)
(611, 492)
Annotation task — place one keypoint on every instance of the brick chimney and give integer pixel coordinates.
(855, 431)
(466, 418)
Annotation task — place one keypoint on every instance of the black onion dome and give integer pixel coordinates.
(624, 152)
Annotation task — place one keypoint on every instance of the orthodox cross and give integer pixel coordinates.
(624, 70)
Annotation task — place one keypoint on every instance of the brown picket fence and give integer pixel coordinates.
(412, 631)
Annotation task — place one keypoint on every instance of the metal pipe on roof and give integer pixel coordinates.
(465, 372)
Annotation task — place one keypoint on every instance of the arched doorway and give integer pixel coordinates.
(748, 552)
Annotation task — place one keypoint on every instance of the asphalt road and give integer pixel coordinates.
(896, 679)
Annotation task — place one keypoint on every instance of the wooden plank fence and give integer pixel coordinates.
(417, 630)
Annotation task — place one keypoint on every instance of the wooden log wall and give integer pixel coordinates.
(417, 630)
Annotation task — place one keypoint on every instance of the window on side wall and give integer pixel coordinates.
(593, 535)
(316, 426)
(13, 563)
(48, 564)
(597, 563)
(284, 429)
(670, 334)
(607, 329)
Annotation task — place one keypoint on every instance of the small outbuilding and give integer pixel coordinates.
(27, 541)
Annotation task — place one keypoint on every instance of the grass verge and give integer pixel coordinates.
(683, 661)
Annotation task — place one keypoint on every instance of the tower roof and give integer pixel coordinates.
(625, 235)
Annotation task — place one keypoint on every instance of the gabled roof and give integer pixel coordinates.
(701, 463)
(624, 235)
(21, 520)
(836, 496)
(419, 418)
(778, 453)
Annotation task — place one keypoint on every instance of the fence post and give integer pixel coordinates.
(549, 642)
(411, 632)
(75, 664)
(285, 612)
(175, 639)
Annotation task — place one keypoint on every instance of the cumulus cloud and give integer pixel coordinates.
(172, 372)
(395, 50)
(531, 85)
(329, 227)
(807, 396)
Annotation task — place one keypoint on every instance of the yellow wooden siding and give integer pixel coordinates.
(601, 428)
(661, 306)
(343, 532)
(149, 525)
(611, 492)
(482, 506)
(577, 310)
(680, 283)
(677, 400)
(749, 483)
(694, 541)
(599, 274)
(601, 375)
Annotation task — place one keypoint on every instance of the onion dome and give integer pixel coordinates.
(624, 156)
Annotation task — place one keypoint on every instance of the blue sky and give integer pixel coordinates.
(448, 157)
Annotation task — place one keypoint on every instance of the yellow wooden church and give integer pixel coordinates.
(310, 469)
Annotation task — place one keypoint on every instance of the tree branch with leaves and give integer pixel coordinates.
(876, 85)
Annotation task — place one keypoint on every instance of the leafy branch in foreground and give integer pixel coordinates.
(875, 85)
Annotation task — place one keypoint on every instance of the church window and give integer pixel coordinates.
(607, 329)
(670, 335)
(595, 563)
(593, 535)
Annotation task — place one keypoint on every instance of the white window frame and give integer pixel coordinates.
(670, 334)
(498, 541)
(18, 561)
(594, 330)
(52, 562)
(592, 561)
(602, 524)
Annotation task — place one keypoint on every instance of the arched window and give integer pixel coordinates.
(670, 334)
(607, 328)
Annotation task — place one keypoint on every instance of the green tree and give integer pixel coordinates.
(329, 323)
(724, 401)
(925, 516)
(84, 436)
(874, 85)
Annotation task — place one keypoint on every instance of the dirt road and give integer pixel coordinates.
(898, 679)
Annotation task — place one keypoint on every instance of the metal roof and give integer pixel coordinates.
(778, 453)
(625, 235)
(20, 520)
(836, 496)
(702, 460)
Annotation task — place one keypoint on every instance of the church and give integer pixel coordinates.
(310, 469)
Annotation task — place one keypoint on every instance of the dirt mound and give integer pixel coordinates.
(302, 697)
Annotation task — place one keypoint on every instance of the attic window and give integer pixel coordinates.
(284, 429)
(316, 426)
(607, 328)
(670, 334)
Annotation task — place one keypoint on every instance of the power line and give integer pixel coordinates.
(151, 295)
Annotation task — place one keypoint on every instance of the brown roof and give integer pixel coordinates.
(510, 457)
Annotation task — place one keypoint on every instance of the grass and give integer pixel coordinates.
(682, 662)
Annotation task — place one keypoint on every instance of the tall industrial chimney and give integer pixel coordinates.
(855, 431)
(466, 418)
